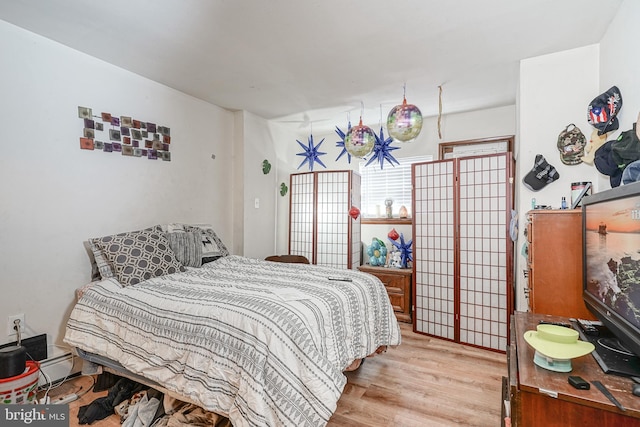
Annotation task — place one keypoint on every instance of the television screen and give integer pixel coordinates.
(611, 233)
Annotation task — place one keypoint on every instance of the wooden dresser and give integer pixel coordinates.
(540, 397)
(398, 284)
(555, 263)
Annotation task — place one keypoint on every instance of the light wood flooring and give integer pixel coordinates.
(424, 382)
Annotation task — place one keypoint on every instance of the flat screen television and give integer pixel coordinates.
(611, 279)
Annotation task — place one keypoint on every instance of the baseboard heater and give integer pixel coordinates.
(59, 367)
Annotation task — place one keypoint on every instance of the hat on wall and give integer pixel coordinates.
(626, 148)
(571, 143)
(606, 165)
(555, 346)
(541, 174)
(603, 110)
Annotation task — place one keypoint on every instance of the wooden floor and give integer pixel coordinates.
(423, 382)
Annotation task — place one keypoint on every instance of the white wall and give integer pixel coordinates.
(260, 227)
(54, 196)
(555, 91)
(620, 62)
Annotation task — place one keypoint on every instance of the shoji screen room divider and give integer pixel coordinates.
(463, 254)
(320, 227)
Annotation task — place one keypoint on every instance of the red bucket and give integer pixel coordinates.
(22, 388)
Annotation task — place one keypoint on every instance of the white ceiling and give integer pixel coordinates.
(322, 60)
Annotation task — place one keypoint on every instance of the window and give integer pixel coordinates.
(391, 182)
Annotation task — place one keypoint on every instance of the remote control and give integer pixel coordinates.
(588, 327)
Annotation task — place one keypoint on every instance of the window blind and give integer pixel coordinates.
(391, 182)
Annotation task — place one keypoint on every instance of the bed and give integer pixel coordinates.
(262, 343)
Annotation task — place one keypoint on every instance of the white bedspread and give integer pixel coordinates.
(263, 343)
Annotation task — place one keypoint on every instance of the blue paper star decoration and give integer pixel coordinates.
(382, 150)
(405, 250)
(341, 142)
(311, 153)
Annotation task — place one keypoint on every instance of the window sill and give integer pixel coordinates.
(383, 221)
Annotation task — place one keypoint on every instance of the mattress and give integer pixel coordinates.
(262, 343)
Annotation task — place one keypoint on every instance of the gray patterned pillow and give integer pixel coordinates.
(187, 246)
(212, 246)
(139, 255)
(104, 268)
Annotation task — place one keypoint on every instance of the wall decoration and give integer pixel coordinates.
(311, 153)
(283, 189)
(266, 166)
(86, 143)
(340, 144)
(125, 135)
(84, 113)
(382, 150)
(114, 135)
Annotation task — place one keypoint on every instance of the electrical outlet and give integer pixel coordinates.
(10, 324)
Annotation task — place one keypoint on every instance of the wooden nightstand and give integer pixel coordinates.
(398, 284)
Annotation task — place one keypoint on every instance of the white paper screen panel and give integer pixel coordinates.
(483, 251)
(301, 233)
(333, 219)
(434, 254)
(356, 235)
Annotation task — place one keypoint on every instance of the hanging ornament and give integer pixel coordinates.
(311, 153)
(393, 234)
(341, 142)
(360, 140)
(382, 150)
(404, 121)
(354, 212)
(283, 189)
(440, 111)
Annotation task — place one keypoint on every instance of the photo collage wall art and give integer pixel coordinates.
(122, 134)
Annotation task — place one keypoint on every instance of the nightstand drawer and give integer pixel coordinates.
(397, 282)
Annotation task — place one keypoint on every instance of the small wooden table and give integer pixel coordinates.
(540, 397)
(397, 281)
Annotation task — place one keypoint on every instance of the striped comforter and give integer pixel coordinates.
(263, 343)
